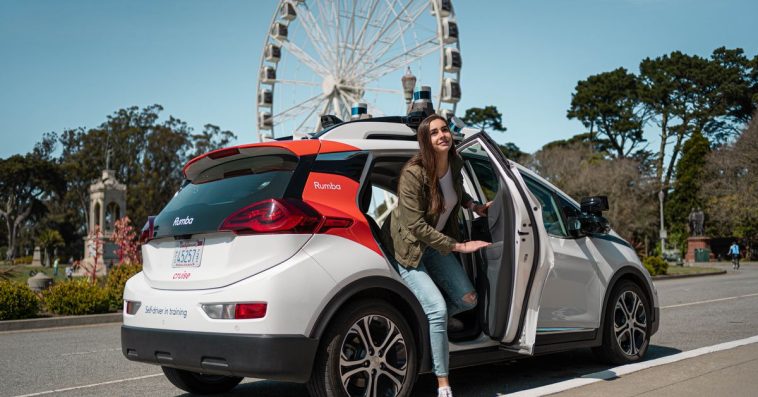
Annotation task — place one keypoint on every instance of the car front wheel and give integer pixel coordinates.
(369, 350)
(197, 383)
(626, 333)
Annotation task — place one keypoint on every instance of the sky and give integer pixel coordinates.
(69, 64)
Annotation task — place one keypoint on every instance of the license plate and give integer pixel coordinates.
(189, 253)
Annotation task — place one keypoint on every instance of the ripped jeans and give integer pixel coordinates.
(443, 271)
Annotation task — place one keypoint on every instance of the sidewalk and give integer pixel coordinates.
(59, 321)
(729, 372)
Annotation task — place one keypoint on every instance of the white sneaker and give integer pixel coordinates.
(445, 392)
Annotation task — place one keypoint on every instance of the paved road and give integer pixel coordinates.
(696, 312)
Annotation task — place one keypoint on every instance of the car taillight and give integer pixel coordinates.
(250, 310)
(147, 232)
(280, 216)
(235, 311)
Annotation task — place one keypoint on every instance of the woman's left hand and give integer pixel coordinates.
(481, 209)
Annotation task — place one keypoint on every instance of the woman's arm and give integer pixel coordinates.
(414, 207)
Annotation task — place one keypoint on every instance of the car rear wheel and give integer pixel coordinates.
(197, 383)
(626, 335)
(369, 350)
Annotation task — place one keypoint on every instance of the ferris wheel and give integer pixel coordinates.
(322, 56)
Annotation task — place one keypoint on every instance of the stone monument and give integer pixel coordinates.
(107, 198)
(36, 257)
(698, 245)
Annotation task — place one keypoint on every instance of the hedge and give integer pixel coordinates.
(117, 277)
(76, 297)
(656, 265)
(17, 301)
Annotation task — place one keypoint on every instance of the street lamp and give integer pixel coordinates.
(409, 82)
(663, 227)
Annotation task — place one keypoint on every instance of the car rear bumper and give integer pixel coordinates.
(278, 357)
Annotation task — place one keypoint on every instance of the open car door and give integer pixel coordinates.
(520, 257)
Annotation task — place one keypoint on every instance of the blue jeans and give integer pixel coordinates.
(439, 283)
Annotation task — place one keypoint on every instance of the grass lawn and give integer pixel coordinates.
(21, 272)
(677, 270)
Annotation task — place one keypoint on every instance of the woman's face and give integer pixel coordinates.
(440, 136)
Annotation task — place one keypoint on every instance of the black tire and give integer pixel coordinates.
(627, 326)
(197, 383)
(391, 345)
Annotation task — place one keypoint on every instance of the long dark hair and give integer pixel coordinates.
(428, 162)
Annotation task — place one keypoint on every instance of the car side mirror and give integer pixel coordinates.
(594, 224)
(592, 221)
(594, 205)
(574, 225)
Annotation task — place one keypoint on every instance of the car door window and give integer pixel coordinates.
(571, 215)
(485, 176)
(382, 203)
(551, 216)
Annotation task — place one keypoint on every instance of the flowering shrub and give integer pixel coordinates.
(126, 239)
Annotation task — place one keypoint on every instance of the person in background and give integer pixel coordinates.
(734, 252)
(69, 272)
(424, 232)
(55, 267)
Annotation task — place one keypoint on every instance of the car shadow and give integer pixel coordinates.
(482, 380)
(528, 373)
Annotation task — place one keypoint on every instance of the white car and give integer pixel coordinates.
(268, 264)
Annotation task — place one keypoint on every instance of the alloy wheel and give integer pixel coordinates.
(373, 358)
(630, 323)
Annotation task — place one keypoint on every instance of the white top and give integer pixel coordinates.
(449, 196)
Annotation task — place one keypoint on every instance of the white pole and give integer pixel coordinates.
(663, 228)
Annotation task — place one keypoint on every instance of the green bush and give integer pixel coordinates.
(76, 297)
(17, 301)
(117, 277)
(655, 265)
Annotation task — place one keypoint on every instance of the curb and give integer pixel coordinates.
(672, 276)
(64, 321)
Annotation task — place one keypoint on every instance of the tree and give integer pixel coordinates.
(146, 155)
(485, 119)
(511, 151)
(739, 88)
(49, 239)
(610, 104)
(25, 182)
(687, 185)
(689, 93)
(580, 172)
(211, 138)
(730, 190)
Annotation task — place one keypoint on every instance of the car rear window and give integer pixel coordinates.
(201, 205)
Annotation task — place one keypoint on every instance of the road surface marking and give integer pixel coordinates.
(42, 393)
(90, 352)
(613, 373)
(710, 301)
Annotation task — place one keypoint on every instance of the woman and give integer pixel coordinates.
(424, 231)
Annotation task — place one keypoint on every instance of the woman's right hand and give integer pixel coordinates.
(470, 246)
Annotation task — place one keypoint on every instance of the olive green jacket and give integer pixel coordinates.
(412, 224)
